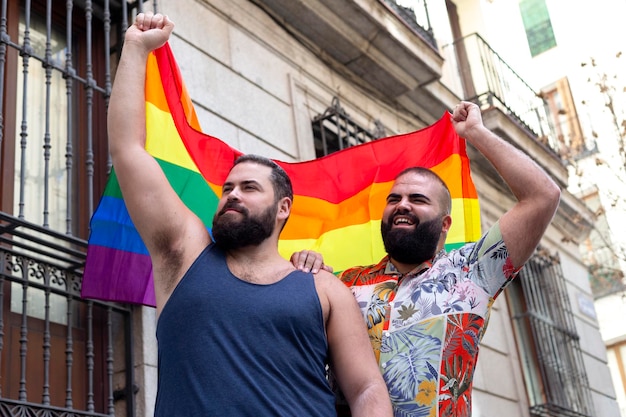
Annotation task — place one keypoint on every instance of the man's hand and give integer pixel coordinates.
(150, 31)
(466, 117)
(309, 261)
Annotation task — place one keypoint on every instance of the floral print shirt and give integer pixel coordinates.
(425, 326)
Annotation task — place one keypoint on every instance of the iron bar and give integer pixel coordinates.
(46, 136)
(46, 338)
(69, 89)
(90, 358)
(26, 52)
(89, 91)
(21, 267)
(3, 53)
(561, 386)
(69, 351)
(110, 360)
(3, 267)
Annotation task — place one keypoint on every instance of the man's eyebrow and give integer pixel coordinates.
(419, 195)
(244, 182)
(412, 195)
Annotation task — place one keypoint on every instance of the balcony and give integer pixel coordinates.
(490, 82)
(390, 48)
(514, 111)
(511, 108)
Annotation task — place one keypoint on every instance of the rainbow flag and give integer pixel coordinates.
(338, 199)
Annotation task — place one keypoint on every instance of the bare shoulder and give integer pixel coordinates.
(332, 290)
(326, 281)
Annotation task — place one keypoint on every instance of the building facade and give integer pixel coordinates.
(292, 80)
(574, 57)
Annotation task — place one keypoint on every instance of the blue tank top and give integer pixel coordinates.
(231, 348)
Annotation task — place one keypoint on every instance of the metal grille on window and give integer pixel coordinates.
(335, 130)
(59, 354)
(549, 345)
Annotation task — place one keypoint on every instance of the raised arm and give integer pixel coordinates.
(351, 356)
(159, 215)
(537, 195)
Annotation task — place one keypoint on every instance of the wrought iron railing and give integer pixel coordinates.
(61, 354)
(490, 82)
(414, 14)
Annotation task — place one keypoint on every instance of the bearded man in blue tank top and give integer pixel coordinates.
(240, 331)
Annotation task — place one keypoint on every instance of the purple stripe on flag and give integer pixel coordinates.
(132, 281)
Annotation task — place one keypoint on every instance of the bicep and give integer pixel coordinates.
(352, 357)
(522, 228)
(156, 210)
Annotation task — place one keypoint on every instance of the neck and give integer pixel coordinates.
(260, 264)
(265, 252)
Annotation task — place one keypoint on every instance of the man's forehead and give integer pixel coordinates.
(249, 171)
(415, 184)
(412, 179)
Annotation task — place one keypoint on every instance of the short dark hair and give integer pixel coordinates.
(446, 199)
(279, 178)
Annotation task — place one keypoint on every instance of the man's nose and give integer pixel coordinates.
(234, 194)
(403, 205)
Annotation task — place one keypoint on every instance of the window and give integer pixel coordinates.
(58, 130)
(334, 130)
(538, 26)
(569, 142)
(55, 152)
(616, 353)
(58, 353)
(552, 363)
(39, 174)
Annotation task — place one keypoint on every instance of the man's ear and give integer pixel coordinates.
(446, 222)
(284, 208)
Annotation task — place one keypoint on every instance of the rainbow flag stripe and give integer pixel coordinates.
(338, 199)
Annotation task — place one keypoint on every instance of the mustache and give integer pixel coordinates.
(411, 216)
(231, 205)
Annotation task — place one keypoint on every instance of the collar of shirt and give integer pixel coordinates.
(390, 268)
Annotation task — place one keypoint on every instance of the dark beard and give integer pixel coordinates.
(412, 247)
(229, 233)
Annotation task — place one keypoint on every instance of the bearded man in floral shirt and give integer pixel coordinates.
(426, 310)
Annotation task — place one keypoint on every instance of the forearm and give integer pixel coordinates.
(372, 401)
(126, 113)
(525, 178)
(537, 194)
